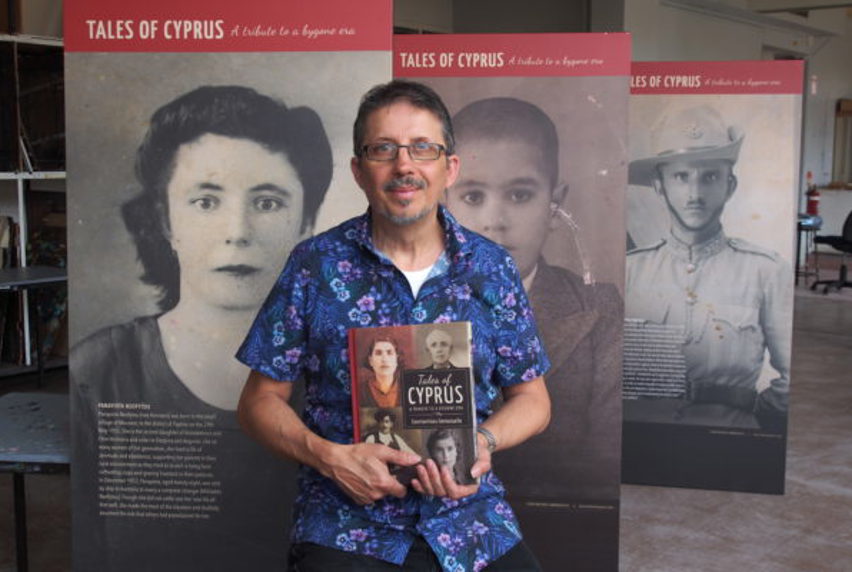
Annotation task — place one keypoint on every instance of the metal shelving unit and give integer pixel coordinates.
(31, 141)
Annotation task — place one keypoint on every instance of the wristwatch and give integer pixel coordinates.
(489, 438)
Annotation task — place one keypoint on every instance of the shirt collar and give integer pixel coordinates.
(700, 251)
(456, 243)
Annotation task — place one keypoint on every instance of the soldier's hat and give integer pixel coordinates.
(690, 133)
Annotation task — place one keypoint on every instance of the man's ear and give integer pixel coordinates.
(658, 187)
(732, 185)
(556, 199)
(355, 166)
(453, 164)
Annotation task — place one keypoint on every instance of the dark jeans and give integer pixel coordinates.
(309, 557)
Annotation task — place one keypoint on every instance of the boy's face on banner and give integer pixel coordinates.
(505, 193)
(235, 211)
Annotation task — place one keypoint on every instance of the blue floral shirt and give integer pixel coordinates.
(338, 280)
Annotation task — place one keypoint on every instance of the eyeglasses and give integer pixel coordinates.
(388, 151)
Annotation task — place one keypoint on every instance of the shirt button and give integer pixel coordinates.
(690, 268)
(691, 298)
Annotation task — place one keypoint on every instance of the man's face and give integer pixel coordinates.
(404, 191)
(505, 193)
(235, 212)
(445, 453)
(386, 424)
(439, 345)
(696, 191)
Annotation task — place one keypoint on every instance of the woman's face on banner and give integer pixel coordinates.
(235, 213)
(503, 192)
(383, 359)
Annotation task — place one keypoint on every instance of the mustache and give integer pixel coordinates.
(408, 181)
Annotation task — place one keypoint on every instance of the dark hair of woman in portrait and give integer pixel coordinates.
(385, 361)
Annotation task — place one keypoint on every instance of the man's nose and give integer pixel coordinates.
(404, 162)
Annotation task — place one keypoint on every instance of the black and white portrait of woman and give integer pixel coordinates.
(231, 180)
(187, 196)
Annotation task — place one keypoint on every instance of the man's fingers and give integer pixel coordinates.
(394, 457)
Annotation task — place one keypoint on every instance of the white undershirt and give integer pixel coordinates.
(416, 278)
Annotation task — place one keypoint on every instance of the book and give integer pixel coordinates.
(412, 389)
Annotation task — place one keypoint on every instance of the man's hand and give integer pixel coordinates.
(440, 482)
(362, 472)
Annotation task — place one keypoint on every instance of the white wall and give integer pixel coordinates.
(433, 16)
(665, 33)
(832, 66)
(662, 33)
(512, 16)
(41, 18)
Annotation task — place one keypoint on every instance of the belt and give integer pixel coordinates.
(738, 397)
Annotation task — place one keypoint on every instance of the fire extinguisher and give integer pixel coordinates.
(812, 207)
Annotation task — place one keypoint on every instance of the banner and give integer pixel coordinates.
(540, 124)
(204, 141)
(714, 149)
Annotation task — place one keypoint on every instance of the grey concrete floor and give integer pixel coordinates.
(662, 529)
(809, 528)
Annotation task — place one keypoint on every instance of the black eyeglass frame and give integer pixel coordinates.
(365, 150)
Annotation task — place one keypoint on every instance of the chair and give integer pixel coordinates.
(843, 243)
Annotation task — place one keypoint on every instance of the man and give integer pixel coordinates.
(439, 344)
(351, 513)
(510, 191)
(730, 300)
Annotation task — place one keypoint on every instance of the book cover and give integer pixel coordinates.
(412, 389)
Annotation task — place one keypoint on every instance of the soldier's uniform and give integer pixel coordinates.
(734, 301)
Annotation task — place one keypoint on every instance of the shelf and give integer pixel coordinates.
(33, 40)
(34, 176)
(32, 160)
(12, 370)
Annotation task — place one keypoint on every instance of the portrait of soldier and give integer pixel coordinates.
(511, 191)
(731, 299)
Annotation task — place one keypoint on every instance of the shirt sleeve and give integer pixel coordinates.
(776, 315)
(276, 344)
(520, 353)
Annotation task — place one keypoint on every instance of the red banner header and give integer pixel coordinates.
(247, 26)
(516, 55)
(783, 76)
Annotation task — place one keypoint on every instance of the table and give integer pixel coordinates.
(27, 278)
(807, 227)
(34, 438)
